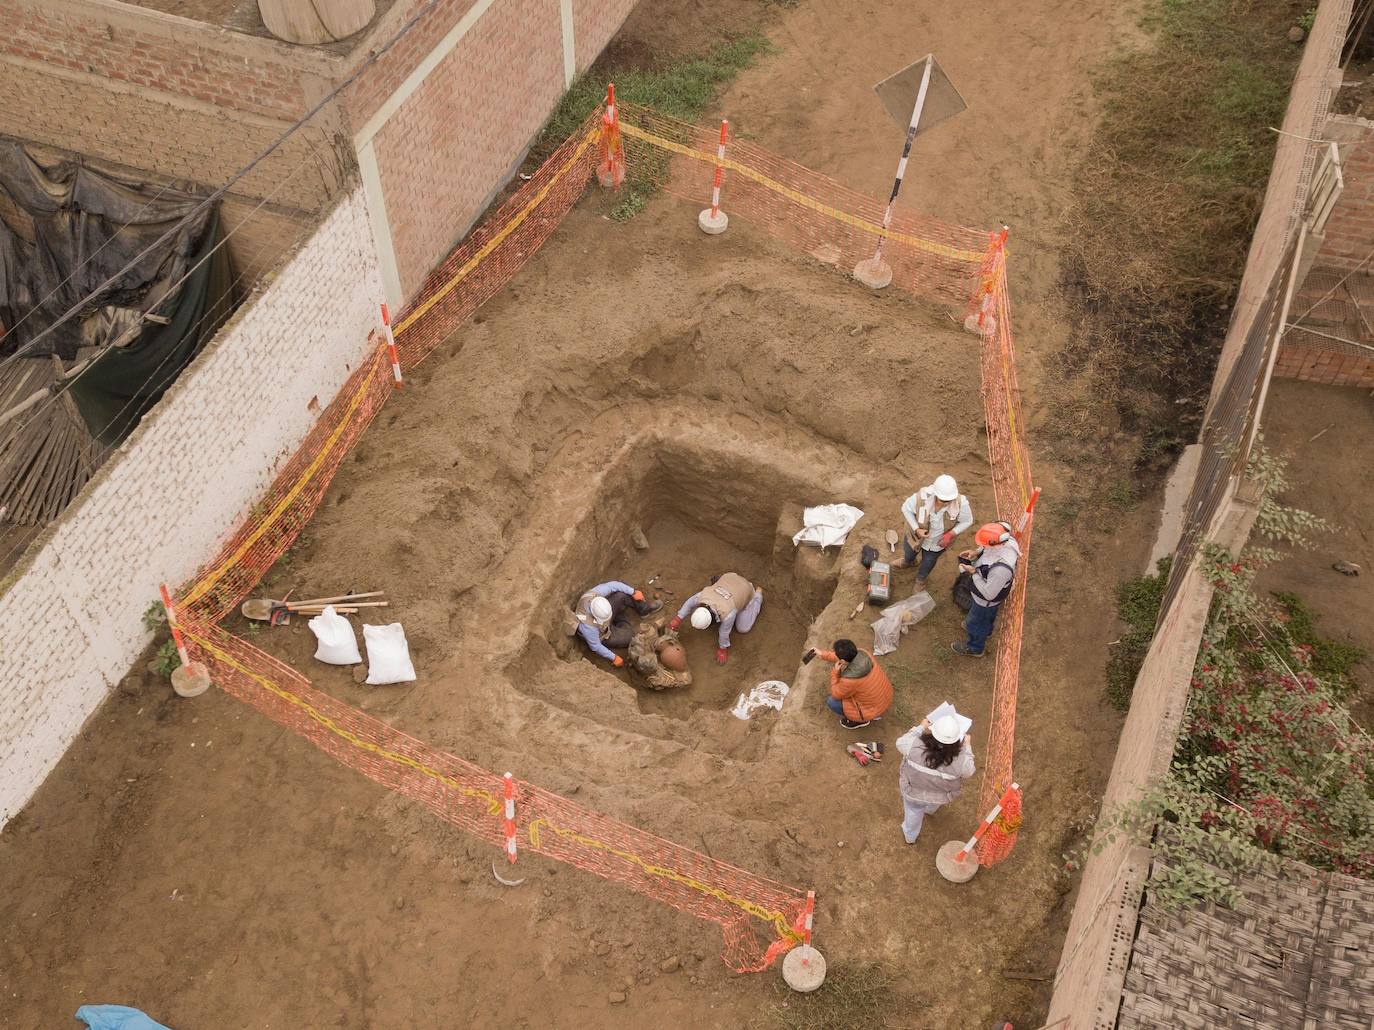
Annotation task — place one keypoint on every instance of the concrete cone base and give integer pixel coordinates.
(191, 680)
(989, 325)
(712, 226)
(952, 869)
(803, 968)
(873, 274)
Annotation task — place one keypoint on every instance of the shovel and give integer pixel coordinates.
(260, 608)
(891, 539)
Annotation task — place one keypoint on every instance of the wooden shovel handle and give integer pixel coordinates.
(312, 601)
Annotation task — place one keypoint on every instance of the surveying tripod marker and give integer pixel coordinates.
(917, 97)
(189, 679)
(957, 861)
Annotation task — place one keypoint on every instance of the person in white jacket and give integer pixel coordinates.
(933, 772)
(935, 515)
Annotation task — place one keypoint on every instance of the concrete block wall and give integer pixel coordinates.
(1349, 236)
(163, 504)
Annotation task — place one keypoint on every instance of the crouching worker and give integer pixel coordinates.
(601, 618)
(730, 600)
(933, 771)
(859, 689)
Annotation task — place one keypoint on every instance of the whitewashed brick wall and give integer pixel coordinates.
(164, 503)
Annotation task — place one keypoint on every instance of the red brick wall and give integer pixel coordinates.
(1329, 367)
(228, 70)
(447, 148)
(1350, 229)
(594, 23)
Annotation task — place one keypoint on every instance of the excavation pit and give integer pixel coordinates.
(702, 513)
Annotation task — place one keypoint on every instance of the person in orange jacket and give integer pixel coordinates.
(859, 689)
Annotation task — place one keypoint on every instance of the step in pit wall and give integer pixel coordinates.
(72, 610)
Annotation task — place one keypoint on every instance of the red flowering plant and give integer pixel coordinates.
(1269, 762)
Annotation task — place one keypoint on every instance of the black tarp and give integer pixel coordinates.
(75, 228)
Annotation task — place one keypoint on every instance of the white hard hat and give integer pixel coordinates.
(701, 617)
(945, 729)
(601, 609)
(946, 489)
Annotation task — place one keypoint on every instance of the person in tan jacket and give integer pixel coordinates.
(729, 601)
(859, 688)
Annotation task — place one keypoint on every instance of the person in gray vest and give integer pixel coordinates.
(730, 600)
(933, 772)
(993, 568)
(601, 619)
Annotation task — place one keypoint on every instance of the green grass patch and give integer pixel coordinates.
(1333, 662)
(1166, 199)
(1137, 605)
(852, 996)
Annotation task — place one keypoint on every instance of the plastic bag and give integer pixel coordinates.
(337, 643)
(388, 655)
(116, 1017)
(762, 696)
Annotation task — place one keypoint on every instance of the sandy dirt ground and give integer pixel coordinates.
(1324, 432)
(197, 861)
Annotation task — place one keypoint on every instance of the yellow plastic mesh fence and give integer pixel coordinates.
(801, 207)
(760, 919)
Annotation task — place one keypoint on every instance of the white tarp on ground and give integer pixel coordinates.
(827, 524)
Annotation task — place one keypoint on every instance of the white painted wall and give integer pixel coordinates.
(70, 619)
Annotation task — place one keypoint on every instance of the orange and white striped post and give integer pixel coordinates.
(803, 967)
(713, 221)
(980, 318)
(1025, 518)
(190, 679)
(509, 824)
(611, 171)
(809, 915)
(957, 862)
(391, 345)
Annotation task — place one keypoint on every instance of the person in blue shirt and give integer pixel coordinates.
(601, 618)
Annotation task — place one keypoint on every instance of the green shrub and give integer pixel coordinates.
(1137, 605)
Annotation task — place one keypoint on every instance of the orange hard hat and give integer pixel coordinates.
(992, 533)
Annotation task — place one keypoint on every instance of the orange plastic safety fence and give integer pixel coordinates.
(1013, 487)
(808, 210)
(758, 917)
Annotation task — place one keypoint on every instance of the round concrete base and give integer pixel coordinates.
(496, 872)
(191, 680)
(712, 226)
(803, 968)
(950, 867)
(988, 327)
(873, 274)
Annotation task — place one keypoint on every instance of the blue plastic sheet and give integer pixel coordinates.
(116, 1017)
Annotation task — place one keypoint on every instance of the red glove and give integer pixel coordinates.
(675, 622)
(946, 538)
(617, 661)
(638, 595)
(721, 655)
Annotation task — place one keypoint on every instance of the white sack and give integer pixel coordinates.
(768, 694)
(337, 643)
(897, 618)
(827, 524)
(388, 655)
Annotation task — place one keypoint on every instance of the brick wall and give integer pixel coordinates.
(1331, 367)
(453, 141)
(163, 504)
(594, 23)
(1349, 236)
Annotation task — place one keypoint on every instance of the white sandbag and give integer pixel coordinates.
(768, 694)
(388, 655)
(827, 525)
(338, 645)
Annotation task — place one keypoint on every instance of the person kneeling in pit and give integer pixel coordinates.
(859, 688)
(601, 619)
(728, 599)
